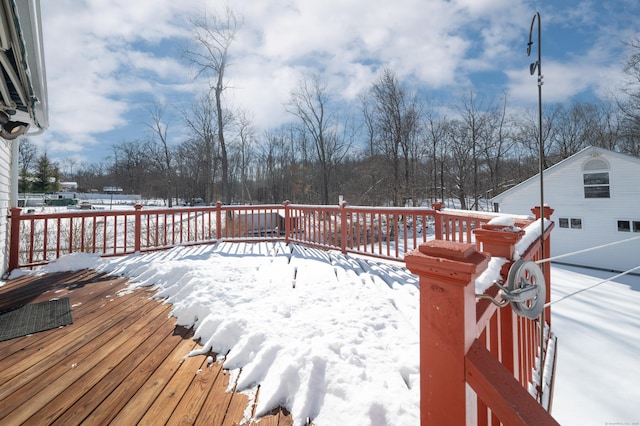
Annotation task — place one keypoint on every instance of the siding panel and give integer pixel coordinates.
(5, 190)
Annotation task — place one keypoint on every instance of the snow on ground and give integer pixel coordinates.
(598, 365)
(335, 338)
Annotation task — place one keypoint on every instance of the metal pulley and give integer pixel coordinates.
(525, 289)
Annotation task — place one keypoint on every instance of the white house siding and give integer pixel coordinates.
(5, 190)
(564, 192)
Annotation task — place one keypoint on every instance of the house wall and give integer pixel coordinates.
(564, 192)
(5, 191)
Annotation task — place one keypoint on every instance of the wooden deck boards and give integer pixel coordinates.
(120, 362)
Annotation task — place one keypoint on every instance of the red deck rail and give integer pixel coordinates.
(380, 232)
(480, 364)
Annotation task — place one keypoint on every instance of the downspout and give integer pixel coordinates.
(13, 199)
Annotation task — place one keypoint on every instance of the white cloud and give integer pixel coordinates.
(594, 66)
(143, 19)
(563, 81)
(106, 57)
(95, 66)
(484, 7)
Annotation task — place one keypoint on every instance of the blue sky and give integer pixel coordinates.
(109, 61)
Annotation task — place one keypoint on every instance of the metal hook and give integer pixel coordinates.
(501, 303)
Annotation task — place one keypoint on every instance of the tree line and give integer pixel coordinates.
(393, 148)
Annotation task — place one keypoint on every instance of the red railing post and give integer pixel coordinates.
(500, 241)
(437, 220)
(343, 226)
(137, 231)
(287, 220)
(218, 220)
(546, 253)
(447, 273)
(14, 242)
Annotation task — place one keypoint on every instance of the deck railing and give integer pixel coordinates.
(480, 364)
(389, 233)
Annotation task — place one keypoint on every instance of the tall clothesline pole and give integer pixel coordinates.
(537, 66)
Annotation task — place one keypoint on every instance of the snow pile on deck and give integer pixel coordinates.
(342, 346)
(323, 334)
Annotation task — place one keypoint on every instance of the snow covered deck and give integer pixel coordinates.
(334, 337)
(121, 361)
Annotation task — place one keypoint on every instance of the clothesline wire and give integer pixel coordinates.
(628, 271)
(561, 256)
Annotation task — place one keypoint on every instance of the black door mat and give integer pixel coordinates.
(35, 317)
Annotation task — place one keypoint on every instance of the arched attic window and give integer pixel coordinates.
(595, 175)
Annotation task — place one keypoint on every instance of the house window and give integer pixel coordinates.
(623, 226)
(629, 225)
(573, 223)
(596, 185)
(596, 179)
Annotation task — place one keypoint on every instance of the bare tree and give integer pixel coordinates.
(202, 124)
(310, 103)
(214, 36)
(436, 137)
(574, 129)
(193, 171)
(630, 106)
(27, 156)
(609, 131)
(460, 161)
(375, 164)
(497, 146)
(159, 150)
(273, 162)
(475, 116)
(246, 138)
(91, 176)
(527, 133)
(130, 168)
(395, 118)
(68, 164)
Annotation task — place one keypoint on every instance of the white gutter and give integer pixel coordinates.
(21, 28)
(30, 28)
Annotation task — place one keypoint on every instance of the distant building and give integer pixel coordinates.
(595, 195)
(68, 186)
